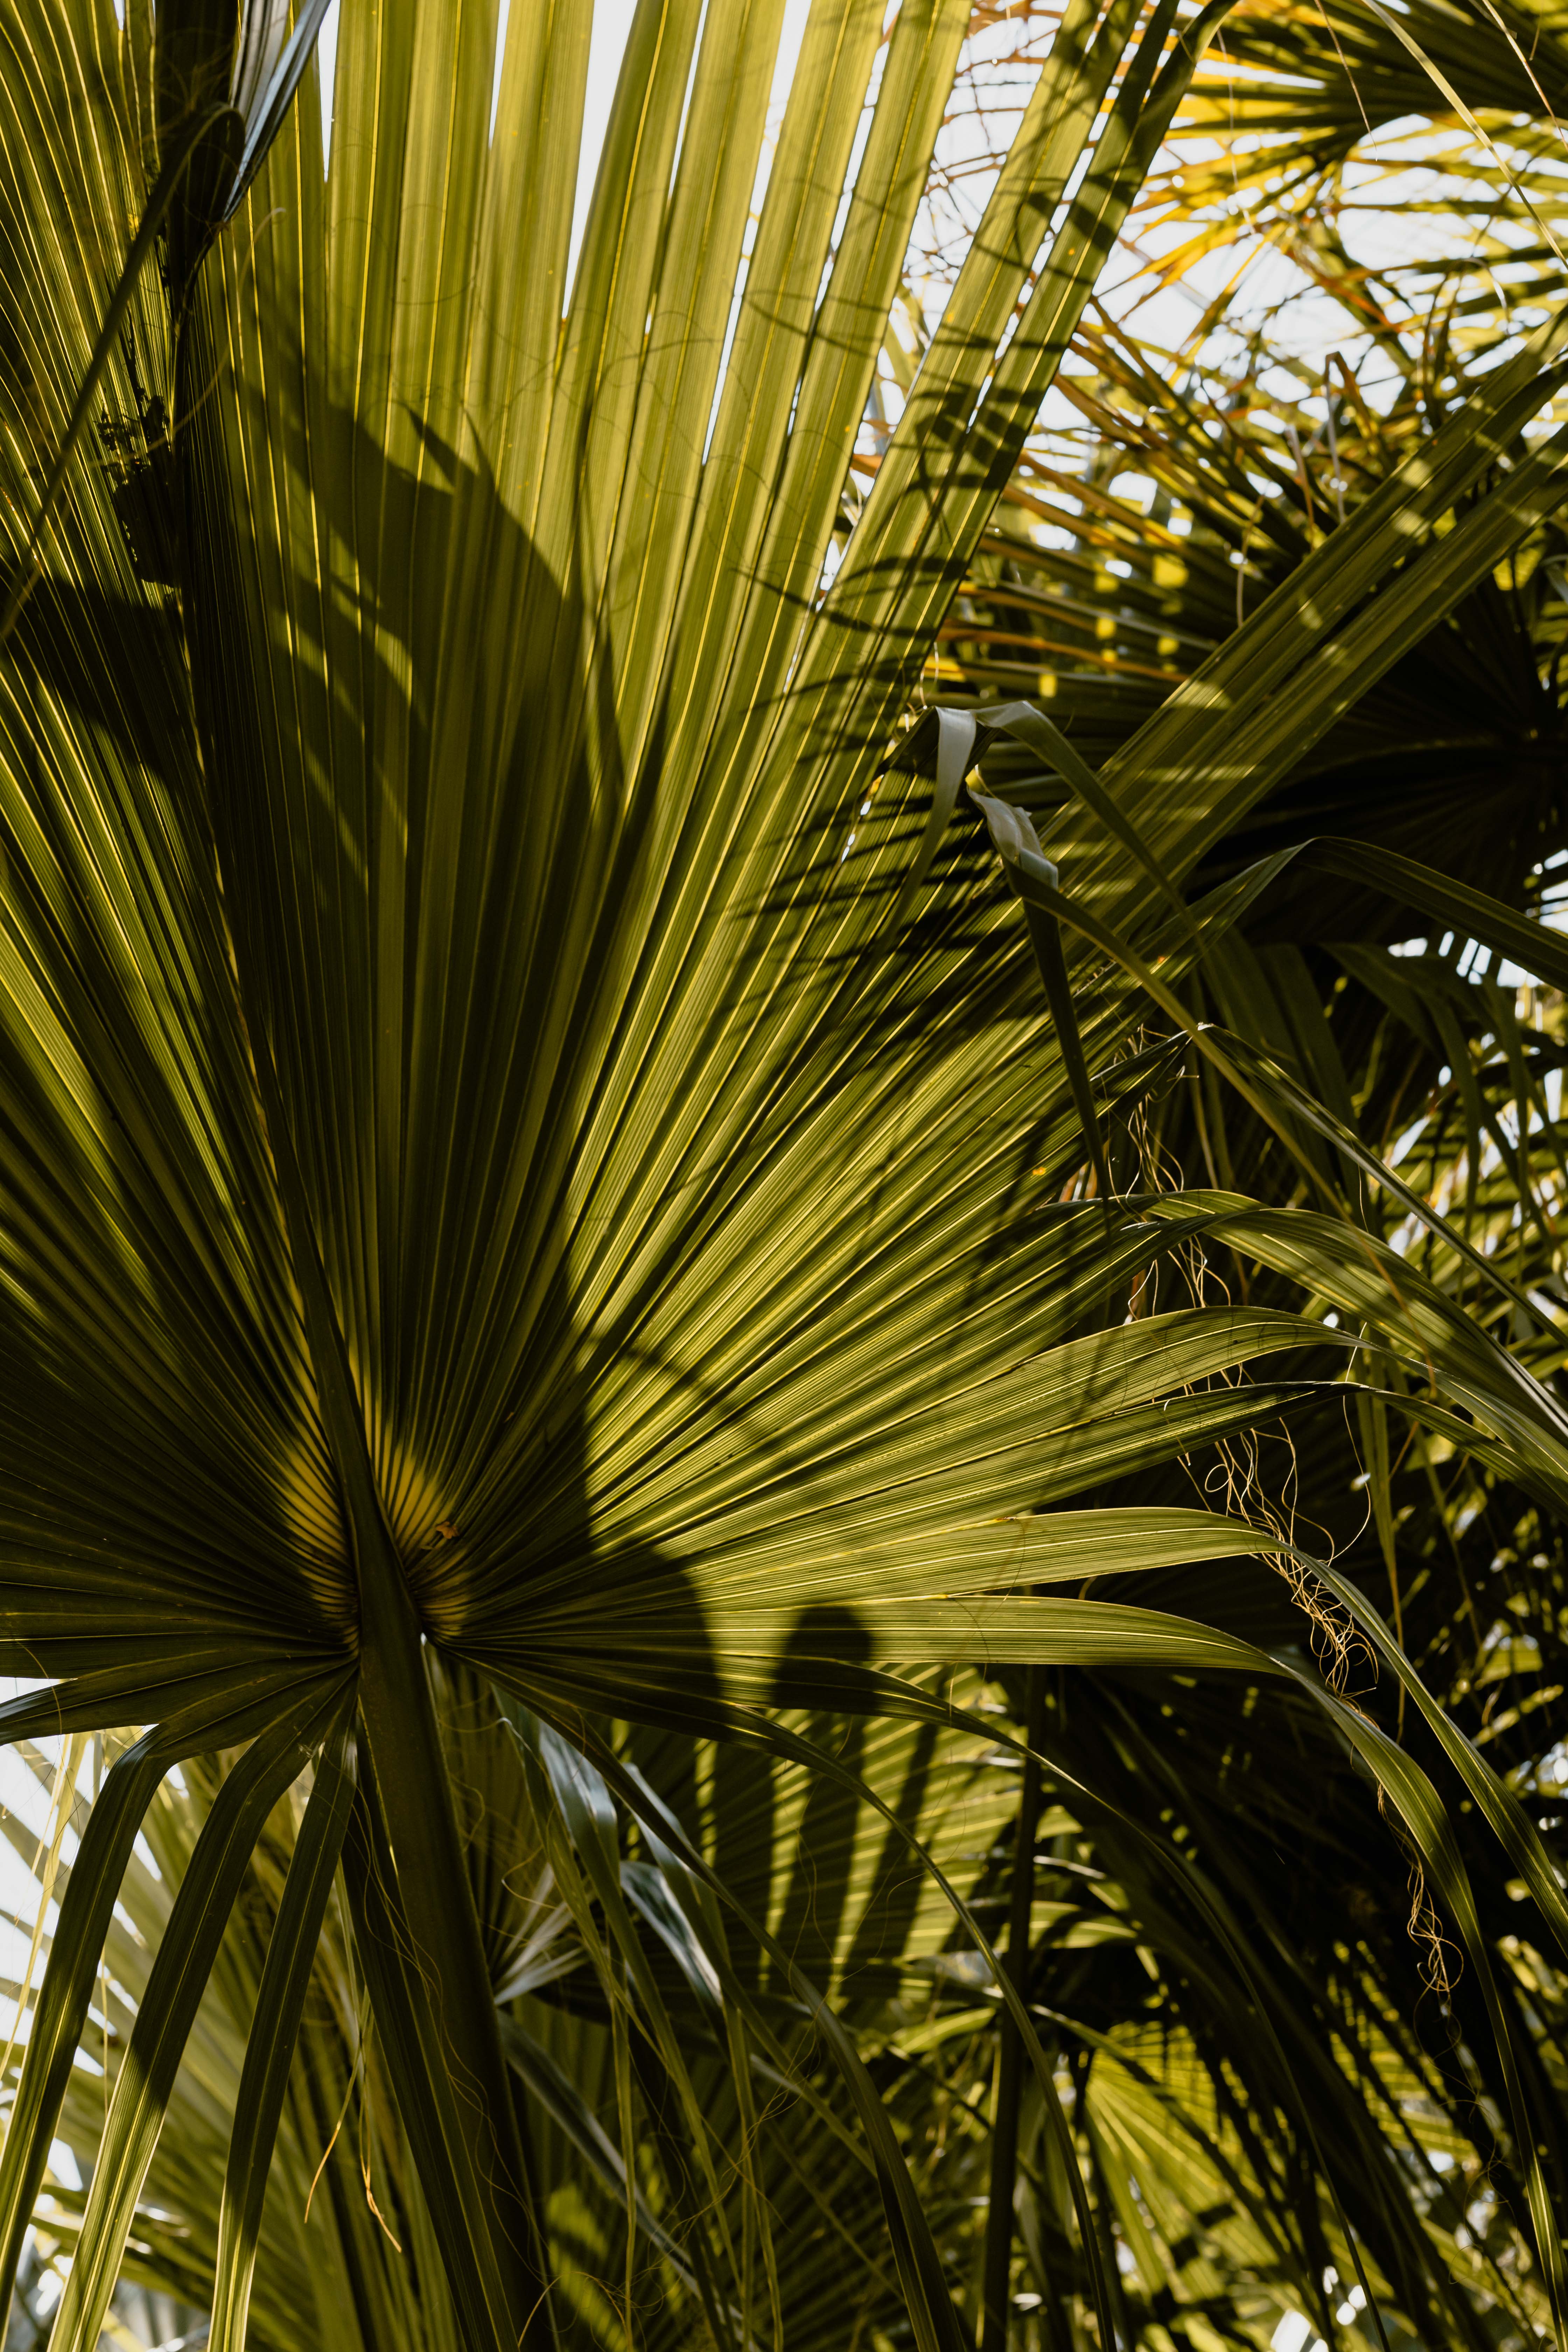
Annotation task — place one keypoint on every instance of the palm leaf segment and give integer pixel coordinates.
(485, 1163)
(444, 1105)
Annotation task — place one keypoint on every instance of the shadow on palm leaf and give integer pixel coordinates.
(1233, 1797)
(152, 1265)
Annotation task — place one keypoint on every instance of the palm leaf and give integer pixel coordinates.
(496, 1187)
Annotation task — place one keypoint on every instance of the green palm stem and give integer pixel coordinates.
(1010, 2065)
(404, 1763)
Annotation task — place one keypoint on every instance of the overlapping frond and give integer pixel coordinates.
(557, 1320)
